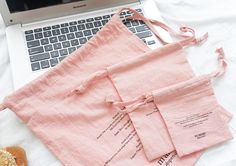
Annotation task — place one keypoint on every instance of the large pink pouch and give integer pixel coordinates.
(82, 130)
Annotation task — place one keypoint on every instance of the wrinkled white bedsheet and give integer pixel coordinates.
(216, 17)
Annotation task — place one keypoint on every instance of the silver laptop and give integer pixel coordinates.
(40, 34)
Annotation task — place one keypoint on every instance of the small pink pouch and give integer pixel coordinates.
(191, 114)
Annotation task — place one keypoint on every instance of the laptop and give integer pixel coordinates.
(40, 34)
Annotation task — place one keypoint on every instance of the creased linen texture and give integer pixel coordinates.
(190, 111)
(82, 129)
(71, 126)
(155, 69)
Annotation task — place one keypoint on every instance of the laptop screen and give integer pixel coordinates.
(24, 5)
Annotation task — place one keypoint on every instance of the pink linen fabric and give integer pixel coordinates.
(82, 130)
(152, 70)
(192, 115)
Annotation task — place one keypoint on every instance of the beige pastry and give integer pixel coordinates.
(13, 156)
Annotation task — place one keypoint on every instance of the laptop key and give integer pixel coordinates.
(35, 50)
(56, 32)
(122, 13)
(95, 30)
(74, 42)
(35, 66)
(89, 37)
(90, 19)
(53, 39)
(97, 24)
(81, 21)
(28, 32)
(39, 57)
(66, 44)
(47, 34)
(64, 30)
(54, 54)
(46, 28)
(151, 42)
(63, 52)
(129, 12)
(57, 46)
(82, 40)
(44, 41)
(106, 17)
(29, 37)
(55, 26)
(98, 18)
(135, 22)
(64, 25)
(73, 29)
(38, 30)
(53, 62)
(81, 27)
(141, 28)
(73, 23)
(144, 34)
(141, 22)
(128, 15)
(132, 30)
(34, 43)
(70, 36)
(104, 22)
(62, 37)
(48, 47)
(128, 23)
(71, 49)
(138, 10)
(44, 64)
(61, 58)
(89, 25)
(79, 34)
(87, 33)
(38, 35)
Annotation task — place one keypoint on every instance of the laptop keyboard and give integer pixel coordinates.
(49, 45)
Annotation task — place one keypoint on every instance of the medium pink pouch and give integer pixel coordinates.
(191, 112)
(128, 78)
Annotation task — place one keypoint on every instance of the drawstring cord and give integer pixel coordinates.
(222, 63)
(87, 82)
(131, 105)
(150, 22)
(193, 39)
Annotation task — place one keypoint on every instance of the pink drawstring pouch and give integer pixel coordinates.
(191, 114)
(190, 111)
(83, 129)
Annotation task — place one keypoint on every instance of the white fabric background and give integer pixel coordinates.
(216, 17)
